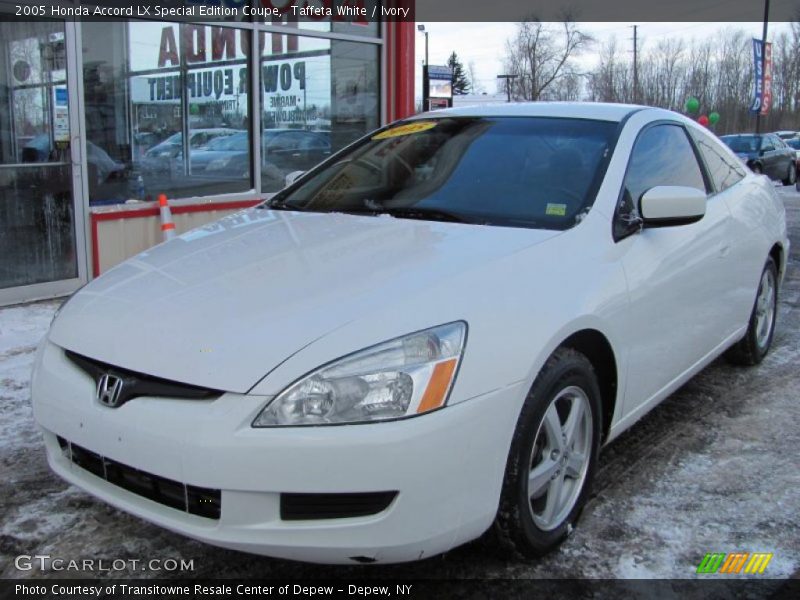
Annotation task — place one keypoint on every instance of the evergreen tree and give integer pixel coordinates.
(461, 83)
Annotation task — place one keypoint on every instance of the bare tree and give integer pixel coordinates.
(612, 80)
(540, 57)
(718, 71)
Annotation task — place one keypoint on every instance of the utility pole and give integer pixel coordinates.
(508, 79)
(636, 65)
(763, 61)
(426, 82)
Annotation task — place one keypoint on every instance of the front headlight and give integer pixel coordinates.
(406, 376)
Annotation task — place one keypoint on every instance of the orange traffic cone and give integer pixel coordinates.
(167, 224)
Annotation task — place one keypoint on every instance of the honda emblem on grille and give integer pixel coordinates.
(109, 390)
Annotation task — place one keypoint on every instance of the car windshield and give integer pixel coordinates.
(511, 171)
(742, 143)
(793, 143)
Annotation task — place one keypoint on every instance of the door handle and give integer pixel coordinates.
(76, 150)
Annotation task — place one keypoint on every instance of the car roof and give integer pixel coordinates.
(574, 110)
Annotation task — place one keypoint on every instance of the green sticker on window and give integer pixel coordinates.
(556, 210)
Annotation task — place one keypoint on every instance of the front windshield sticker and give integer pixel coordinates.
(407, 129)
(556, 210)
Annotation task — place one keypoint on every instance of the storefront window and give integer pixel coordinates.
(37, 215)
(167, 110)
(318, 96)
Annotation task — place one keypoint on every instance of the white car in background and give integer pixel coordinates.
(429, 335)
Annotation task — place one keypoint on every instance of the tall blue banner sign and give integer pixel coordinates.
(758, 75)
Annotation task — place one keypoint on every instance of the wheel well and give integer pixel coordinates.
(777, 255)
(594, 346)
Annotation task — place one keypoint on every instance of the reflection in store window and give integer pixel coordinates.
(168, 106)
(319, 95)
(156, 95)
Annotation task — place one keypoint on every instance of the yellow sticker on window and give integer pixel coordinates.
(556, 210)
(406, 129)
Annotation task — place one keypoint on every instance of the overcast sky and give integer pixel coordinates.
(484, 43)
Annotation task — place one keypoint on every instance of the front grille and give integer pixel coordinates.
(135, 385)
(302, 507)
(202, 502)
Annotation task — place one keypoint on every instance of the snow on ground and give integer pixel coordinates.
(712, 469)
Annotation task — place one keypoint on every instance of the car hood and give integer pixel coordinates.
(222, 305)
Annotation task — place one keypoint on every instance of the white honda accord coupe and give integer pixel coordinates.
(428, 336)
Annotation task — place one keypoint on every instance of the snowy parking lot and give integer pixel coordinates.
(715, 468)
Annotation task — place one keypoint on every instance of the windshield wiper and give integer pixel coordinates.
(400, 212)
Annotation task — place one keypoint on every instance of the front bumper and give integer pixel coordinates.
(446, 466)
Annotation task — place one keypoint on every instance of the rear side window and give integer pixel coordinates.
(662, 155)
(724, 169)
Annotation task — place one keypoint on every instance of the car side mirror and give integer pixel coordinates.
(667, 205)
(292, 177)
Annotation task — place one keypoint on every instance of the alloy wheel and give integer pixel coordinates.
(560, 458)
(765, 308)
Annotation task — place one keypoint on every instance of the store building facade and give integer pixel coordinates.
(97, 118)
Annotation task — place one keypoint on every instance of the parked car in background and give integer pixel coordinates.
(428, 336)
(217, 152)
(282, 151)
(794, 144)
(287, 150)
(142, 142)
(109, 179)
(786, 135)
(162, 157)
(765, 154)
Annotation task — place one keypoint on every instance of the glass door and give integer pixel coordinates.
(41, 225)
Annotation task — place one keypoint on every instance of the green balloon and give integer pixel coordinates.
(713, 118)
(692, 105)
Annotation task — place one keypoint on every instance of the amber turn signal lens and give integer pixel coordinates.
(440, 381)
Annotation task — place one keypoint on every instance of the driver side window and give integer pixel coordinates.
(662, 155)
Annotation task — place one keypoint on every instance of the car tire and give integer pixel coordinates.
(755, 344)
(791, 177)
(529, 521)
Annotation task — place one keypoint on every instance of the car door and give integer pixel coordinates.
(771, 157)
(283, 150)
(314, 149)
(742, 196)
(676, 274)
(787, 157)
